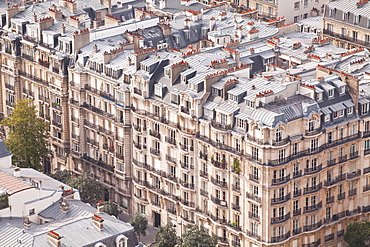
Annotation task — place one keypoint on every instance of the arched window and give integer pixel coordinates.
(279, 134)
(121, 241)
(99, 245)
(311, 124)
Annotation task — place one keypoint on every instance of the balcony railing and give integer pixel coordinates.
(352, 192)
(253, 197)
(346, 38)
(281, 142)
(276, 220)
(154, 151)
(355, 174)
(297, 230)
(280, 238)
(203, 174)
(254, 216)
(313, 169)
(313, 188)
(331, 162)
(366, 187)
(297, 174)
(98, 163)
(235, 206)
(297, 212)
(204, 192)
(218, 201)
(170, 159)
(236, 187)
(170, 140)
(312, 227)
(219, 182)
(340, 233)
(155, 134)
(276, 181)
(366, 170)
(312, 208)
(329, 199)
(254, 177)
(297, 192)
(220, 126)
(280, 199)
(341, 196)
(313, 244)
(313, 132)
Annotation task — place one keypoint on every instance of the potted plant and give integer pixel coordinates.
(191, 148)
(236, 166)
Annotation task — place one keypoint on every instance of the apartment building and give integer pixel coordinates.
(347, 23)
(293, 11)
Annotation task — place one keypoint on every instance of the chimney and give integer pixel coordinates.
(187, 23)
(55, 239)
(100, 206)
(17, 172)
(26, 222)
(162, 4)
(98, 221)
(96, 48)
(34, 17)
(63, 29)
(119, 5)
(64, 206)
(212, 23)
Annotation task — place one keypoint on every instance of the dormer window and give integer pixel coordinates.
(311, 124)
(365, 108)
(158, 91)
(175, 98)
(349, 110)
(319, 96)
(223, 118)
(249, 104)
(342, 89)
(242, 124)
(331, 93)
(327, 117)
(167, 72)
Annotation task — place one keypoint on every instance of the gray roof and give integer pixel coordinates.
(3, 149)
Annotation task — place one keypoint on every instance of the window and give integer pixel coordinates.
(311, 124)
(314, 145)
(342, 89)
(305, 2)
(254, 153)
(365, 108)
(367, 39)
(278, 134)
(327, 117)
(354, 35)
(367, 144)
(331, 93)
(349, 110)
(295, 148)
(296, 5)
(281, 155)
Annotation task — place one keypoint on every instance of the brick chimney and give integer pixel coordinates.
(98, 221)
(100, 206)
(64, 206)
(55, 239)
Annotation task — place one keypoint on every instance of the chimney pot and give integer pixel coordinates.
(17, 172)
(98, 221)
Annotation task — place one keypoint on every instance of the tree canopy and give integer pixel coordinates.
(91, 190)
(111, 208)
(358, 234)
(27, 135)
(62, 176)
(198, 237)
(140, 223)
(166, 236)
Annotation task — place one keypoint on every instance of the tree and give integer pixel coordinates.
(358, 234)
(91, 190)
(27, 135)
(198, 238)
(140, 223)
(166, 236)
(62, 176)
(111, 208)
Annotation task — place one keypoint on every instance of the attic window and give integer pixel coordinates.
(319, 96)
(342, 90)
(174, 98)
(331, 93)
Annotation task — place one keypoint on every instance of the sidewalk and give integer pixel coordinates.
(150, 231)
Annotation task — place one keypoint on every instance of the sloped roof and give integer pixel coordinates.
(11, 185)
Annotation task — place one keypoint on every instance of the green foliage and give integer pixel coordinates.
(27, 135)
(111, 208)
(166, 236)
(358, 234)
(62, 176)
(198, 237)
(236, 166)
(140, 223)
(91, 190)
(4, 203)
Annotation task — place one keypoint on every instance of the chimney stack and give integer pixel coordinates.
(63, 28)
(26, 222)
(55, 239)
(100, 206)
(96, 48)
(64, 206)
(34, 17)
(98, 221)
(17, 172)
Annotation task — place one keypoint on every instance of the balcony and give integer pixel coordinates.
(331, 162)
(254, 216)
(297, 230)
(98, 163)
(254, 178)
(313, 244)
(329, 199)
(281, 142)
(138, 91)
(203, 156)
(341, 196)
(253, 234)
(92, 141)
(236, 187)
(28, 57)
(203, 174)
(314, 169)
(353, 155)
(254, 197)
(171, 211)
(340, 233)
(137, 145)
(366, 187)
(46, 64)
(312, 189)
(256, 140)
(366, 170)
(98, 111)
(346, 38)
(297, 212)
(185, 110)
(204, 192)
(297, 193)
(297, 174)
(186, 165)
(34, 78)
(353, 175)
(219, 182)
(312, 227)
(352, 192)
(170, 140)
(280, 238)
(187, 203)
(280, 219)
(9, 103)
(170, 159)
(55, 70)
(312, 208)
(313, 132)
(220, 126)
(218, 201)
(218, 164)
(276, 181)
(281, 199)
(367, 151)
(342, 159)
(235, 206)
(186, 184)
(154, 151)
(155, 134)
(9, 86)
